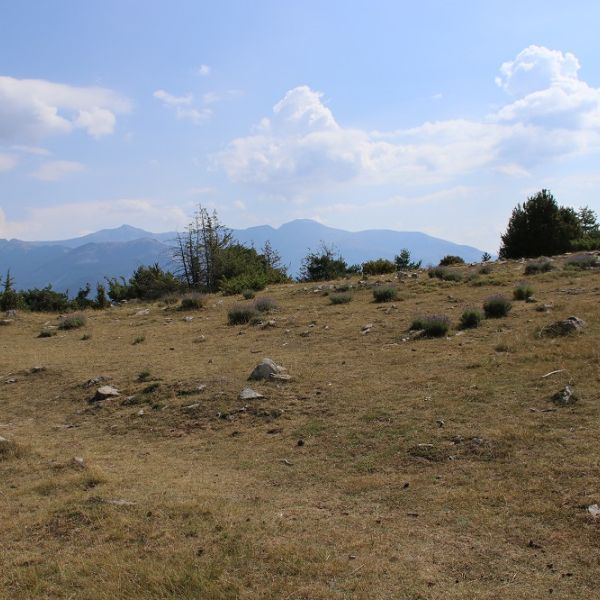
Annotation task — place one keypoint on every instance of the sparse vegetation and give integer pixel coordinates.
(138, 340)
(496, 306)
(46, 333)
(470, 318)
(385, 293)
(432, 325)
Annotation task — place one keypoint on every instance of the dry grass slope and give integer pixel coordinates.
(388, 466)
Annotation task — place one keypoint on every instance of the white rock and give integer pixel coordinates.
(106, 391)
(249, 394)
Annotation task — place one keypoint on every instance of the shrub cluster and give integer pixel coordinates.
(192, 301)
(240, 314)
(540, 265)
(340, 298)
(431, 325)
(496, 306)
(385, 294)
(445, 274)
(582, 261)
(379, 266)
(450, 259)
(72, 322)
(470, 318)
(522, 291)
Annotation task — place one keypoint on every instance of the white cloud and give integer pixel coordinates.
(204, 70)
(35, 150)
(64, 221)
(7, 162)
(183, 107)
(302, 146)
(31, 109)
(55, 170)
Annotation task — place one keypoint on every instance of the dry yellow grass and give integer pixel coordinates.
(429, 468)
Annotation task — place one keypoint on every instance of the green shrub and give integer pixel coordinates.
(192, 301)
(450, 259)
(340, 298)
(324, 264)
(138, 340)
(496, 306)
(385, 294)
(241, 314)
(72, 322)
(522, 291)
(445, 274)
(582, 261)
(431, 325)
(485, 269)
(344, 287)
(248, 294)
(264, 305)
(470, 318)
(379, 266)
(540, 265)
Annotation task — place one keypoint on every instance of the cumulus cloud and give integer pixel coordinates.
(55, 170)
(7, 162)
(31, 109)
(183, 106)
(301, 145)
(204, 70)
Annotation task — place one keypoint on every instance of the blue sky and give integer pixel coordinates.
(430, 116)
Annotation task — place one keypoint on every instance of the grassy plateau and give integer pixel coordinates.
(391, 465)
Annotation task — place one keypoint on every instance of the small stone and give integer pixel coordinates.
(249, 394)
(78, 461)
(594, 510)
(565, 397)
(191, 406)
(5, 322)
(11, 380)
(142, 313)
(37, 369)
(104, 392)
(140, 413)
(188, 319)
(563, 327)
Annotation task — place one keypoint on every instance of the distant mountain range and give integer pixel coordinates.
(68, 265)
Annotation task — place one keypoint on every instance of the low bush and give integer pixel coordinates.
(432, 325)
(138, 340)
(340, 298)
(485, 269)
(496, 307)
(385, 294)
(46, 333)
(582, 261)
(72, 322)
(470, 318)
(264, 305)
(248, 294)
(379, 266)
(540, 265)
(450, 259)
(241, 314)
(522, 291)
(445, 274)
(45, 300)
(192, 301)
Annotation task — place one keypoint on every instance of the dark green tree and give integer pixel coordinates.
(322, 265)
(404, 262)
(539, 227)
(9, 298)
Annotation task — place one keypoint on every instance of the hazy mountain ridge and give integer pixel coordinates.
(70, 264)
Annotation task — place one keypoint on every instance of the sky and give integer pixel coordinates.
(432, 116)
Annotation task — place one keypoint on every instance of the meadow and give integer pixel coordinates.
(390, 464)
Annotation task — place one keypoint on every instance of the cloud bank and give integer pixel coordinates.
(551, 114)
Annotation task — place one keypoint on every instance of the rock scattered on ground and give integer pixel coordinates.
(95, 381)
(104, 392)
(565, 397)
(4, 322)
(250, 394)
(594, 510)
(266, 369)
(563, 327)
